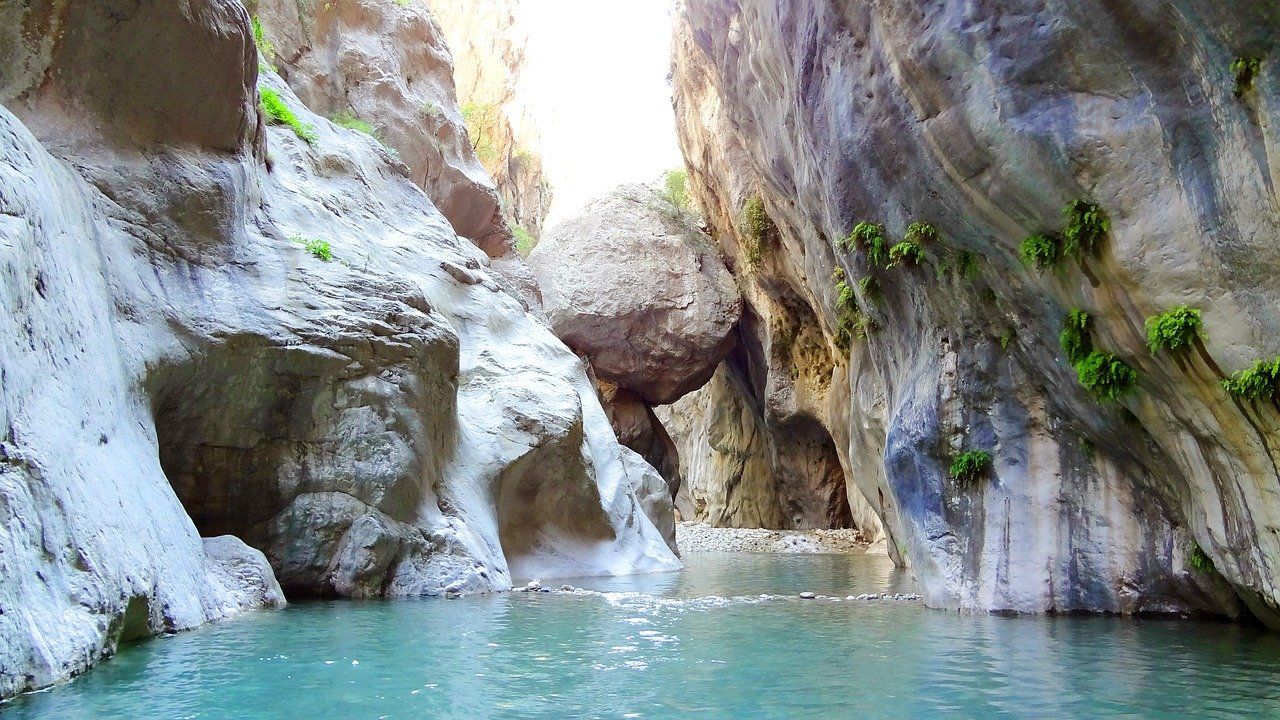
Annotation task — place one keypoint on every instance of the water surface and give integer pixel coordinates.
(697, 644)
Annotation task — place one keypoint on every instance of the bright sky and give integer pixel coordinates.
(595, 78)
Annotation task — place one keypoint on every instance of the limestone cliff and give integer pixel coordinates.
(224, 315)
(982, 122)
(488, 41)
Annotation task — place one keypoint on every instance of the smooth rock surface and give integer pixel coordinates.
(386, 63)
(985, 120)
(175, 364)
(647, 300)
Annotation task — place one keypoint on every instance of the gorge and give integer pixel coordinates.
(296, 314)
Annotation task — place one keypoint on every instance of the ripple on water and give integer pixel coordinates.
(727, 638)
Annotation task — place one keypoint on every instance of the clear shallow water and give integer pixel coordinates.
(698, 644)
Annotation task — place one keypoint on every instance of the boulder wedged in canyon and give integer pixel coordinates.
(647, 300)
(217, 326)
(984, 122)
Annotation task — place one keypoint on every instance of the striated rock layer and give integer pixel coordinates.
(985, 121)
(179, 358)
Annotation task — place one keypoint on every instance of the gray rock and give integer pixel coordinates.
(646, 299)
(944, 115)
(175, 364)
(807, 596)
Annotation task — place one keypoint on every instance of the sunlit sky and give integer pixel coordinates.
(595, 79)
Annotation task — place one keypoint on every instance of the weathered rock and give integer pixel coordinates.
(174, 363)
(638, 428)
(985, 121)
(488, 41)
(647, 300)
(386, 63)
(739, 472)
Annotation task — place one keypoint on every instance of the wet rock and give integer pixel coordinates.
(807, 596)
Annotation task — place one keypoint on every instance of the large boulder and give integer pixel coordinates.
(642, 295)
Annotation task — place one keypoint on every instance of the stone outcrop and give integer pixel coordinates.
(985, 121)
(214, 326)
(645, 298)
(386, 64)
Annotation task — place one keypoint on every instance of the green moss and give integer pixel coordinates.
(1041, 251)
(759, 231)
(1198, 560)
(348, 120)
(1106, 376)
(319, 249)
(905, 252)
(970, 465)
(265, 48)
(1245, 69)
(278, 112)
(1259, 382)
(1007, 337)
(963, 263)
(852, 325)
(1074, 337)
(1174, 329)
(870, 237)
(1087, 226)
(920, 233)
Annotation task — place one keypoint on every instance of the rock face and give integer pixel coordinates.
(178, 358)
(985, 121)
(648, 301)
(488, 41)
(387, 64)
(738, 472)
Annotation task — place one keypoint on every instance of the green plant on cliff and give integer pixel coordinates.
(1176, 328)
(675, 190)
(1106, 376)
(905, 252)
(319, 249)
(1198, 560)
(1087, 225)
(1042, 251)
(265, 47)
(1074, 337)
(970, 465)
(920, 233)
(759, 231)
(347, 119)
(1259, 382)
(482, 120)
(870, 237)
(963, 263)
(869, 286)
(1245, 69)
(524, 241)
(274, 107)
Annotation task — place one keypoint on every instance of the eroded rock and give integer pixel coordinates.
(647, 300)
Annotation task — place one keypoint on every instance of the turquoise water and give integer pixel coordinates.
(697, 644)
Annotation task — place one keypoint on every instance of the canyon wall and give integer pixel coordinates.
(984, 121)
(488, 41)
(241, 349)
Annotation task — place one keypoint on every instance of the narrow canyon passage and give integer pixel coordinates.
(665, 359)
